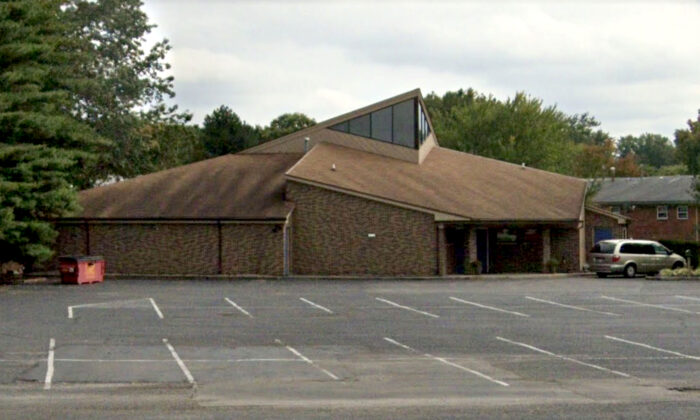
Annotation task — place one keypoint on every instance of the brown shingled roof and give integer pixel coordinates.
(448, 181)
(247, 186)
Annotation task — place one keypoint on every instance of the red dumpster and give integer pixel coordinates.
(81, 269)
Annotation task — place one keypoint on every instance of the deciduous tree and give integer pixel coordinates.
(285, 124)
(123, 88)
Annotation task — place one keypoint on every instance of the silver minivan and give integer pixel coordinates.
(629, 257)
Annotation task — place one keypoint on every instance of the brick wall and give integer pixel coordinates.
(565, 248)
(330, 235)
(645, 226)
(594, 220)
(252, 249)
(177, 248)
(71, 240)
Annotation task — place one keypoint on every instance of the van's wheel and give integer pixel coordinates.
(677, 265)
(602, 275)
(630, 271)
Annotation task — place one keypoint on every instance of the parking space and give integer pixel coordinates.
(361, 342)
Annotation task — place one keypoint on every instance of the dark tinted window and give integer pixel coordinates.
(360, 126)
(648, 249)
(404, 124)
(398, 124)
(603, 248)
(381, 124)
(660, 249)
(630, 249)
(423, 127)
(343, 126)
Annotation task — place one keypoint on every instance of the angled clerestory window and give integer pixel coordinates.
(404, 124)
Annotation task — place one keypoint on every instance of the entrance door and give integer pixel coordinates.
(482, 249)
(601, 234)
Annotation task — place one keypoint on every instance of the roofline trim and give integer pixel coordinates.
(645, 203)
(163, 220)
(479, 222)
(604, 212)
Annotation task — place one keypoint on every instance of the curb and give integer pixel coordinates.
(50, 277)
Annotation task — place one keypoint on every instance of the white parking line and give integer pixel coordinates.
(647, 346)
(323, 308)
(578, 308)
(49, 364)
(460, 367)
(448, 363)
(396, 343)
(408, 308)
(650, 305)
(119, 304)
(688, 298)
(170, 360)
(309, 361)
(153, 302)
(180, 363)
(559, 356)
(238, 307)
(488, 307)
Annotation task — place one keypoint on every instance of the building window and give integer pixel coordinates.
(661, 212)
(682, 213)
(616, 209)
(398, 124)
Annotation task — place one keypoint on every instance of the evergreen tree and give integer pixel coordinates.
(43, 150)
(223, 132)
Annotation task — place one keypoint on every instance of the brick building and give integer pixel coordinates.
(659, 207)
(368, 192)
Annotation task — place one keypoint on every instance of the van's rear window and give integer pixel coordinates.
(603, 248)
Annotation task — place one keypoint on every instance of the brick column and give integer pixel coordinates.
(546, 248)
(472, 245)
(442, 252)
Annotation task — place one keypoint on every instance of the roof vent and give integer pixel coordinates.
(333, 167)
(306, 144)
(522, 165)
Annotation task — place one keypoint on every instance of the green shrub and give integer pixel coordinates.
(552, 266)
(474, 267)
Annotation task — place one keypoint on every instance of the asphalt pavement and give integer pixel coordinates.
(575, 347)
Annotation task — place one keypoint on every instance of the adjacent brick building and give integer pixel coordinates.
(659, 207)
(370, 192)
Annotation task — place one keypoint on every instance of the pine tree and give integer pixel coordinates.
(44, 151)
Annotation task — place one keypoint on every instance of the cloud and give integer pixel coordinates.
(633, 65)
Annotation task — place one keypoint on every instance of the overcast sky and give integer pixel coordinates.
(635, 66)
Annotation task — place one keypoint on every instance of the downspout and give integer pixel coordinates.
(220, 261)
(87, 236)
(582, 231)
(285, 247)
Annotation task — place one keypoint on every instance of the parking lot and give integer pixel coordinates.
(376, 347)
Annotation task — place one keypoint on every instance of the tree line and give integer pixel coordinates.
(522, 129)
(84, 101)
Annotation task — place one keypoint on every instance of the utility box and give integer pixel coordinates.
(81, 269)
